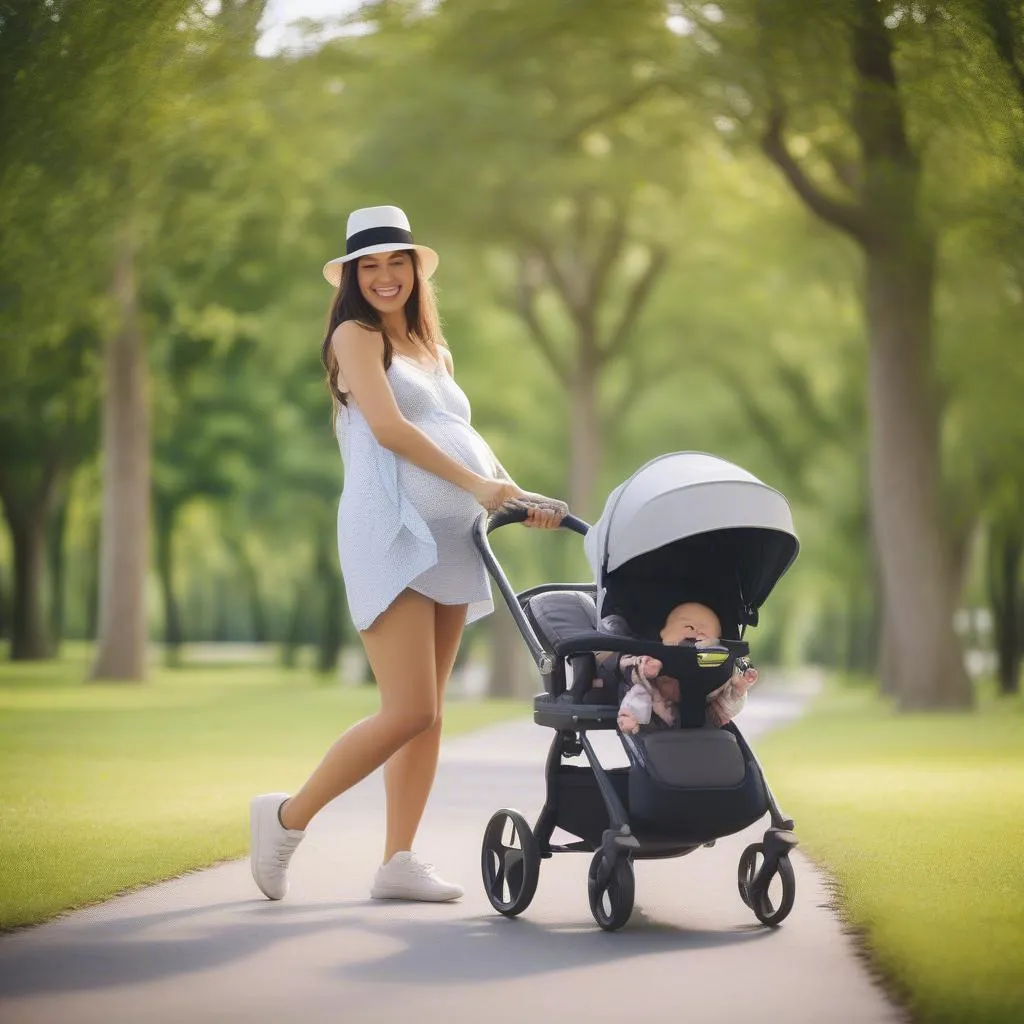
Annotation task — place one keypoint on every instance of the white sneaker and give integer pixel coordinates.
(406, 877)
(272, 845)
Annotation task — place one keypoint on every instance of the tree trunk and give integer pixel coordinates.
(57, 564)
(173, 634)
(1004, 573)
(585, 447)
(293, 636)
(30, 640)
(28, 516)
(92, 583)
(888, 655)
(121, 648)
(921, 654)
(917, 577)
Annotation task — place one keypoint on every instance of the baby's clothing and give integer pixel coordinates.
(723, 704)
(638, 703)
(400, 525)
(649, 707)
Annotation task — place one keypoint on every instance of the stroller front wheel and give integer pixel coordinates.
(755, 885)
(611, 897)
(509, 862)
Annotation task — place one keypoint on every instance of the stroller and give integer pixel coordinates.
(683, 523)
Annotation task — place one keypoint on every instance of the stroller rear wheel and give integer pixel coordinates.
(510, 862)
(756, 886)
(611, 897)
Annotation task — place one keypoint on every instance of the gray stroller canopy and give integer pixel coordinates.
(687, 525)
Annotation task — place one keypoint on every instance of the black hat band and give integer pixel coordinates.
(376, 236)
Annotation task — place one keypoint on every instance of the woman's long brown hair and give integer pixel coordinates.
(349, 303)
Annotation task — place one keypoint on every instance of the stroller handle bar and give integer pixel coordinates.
(484, 524)
(505, 516)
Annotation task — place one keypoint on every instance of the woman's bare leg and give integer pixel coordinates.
(409, 773)
(401, 651)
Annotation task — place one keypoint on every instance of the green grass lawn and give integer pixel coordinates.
(108, 787)
(920, 820)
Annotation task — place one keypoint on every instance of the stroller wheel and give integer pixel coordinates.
(762, 893)
(510, 862)
(750, 862)
(611, 899)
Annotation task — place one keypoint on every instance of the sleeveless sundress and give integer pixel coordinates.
(399, 525)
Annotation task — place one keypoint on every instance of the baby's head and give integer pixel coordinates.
(690, 621)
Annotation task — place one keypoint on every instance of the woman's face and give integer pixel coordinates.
(386, 279)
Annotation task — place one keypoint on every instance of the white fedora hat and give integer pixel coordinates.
(378, 229)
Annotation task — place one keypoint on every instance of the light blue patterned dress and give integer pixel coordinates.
(399, 525)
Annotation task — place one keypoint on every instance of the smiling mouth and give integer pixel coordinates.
(387, 293)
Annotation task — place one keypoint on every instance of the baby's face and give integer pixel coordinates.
(690, 621)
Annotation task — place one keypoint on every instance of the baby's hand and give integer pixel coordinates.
(742, 683)
(650, 668)
(627, 722)
(646, 667)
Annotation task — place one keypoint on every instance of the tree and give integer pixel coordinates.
(77, 108)
(770, 60)
(885, 219)
(849, 80)
(48, 414)
(49, 322)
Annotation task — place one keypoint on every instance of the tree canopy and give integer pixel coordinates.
(793, 241)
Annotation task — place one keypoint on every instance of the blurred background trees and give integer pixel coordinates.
(788, 234)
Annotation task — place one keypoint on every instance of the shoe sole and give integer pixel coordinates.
(394, 894)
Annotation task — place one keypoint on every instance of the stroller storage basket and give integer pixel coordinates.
(581, 809)
(693, 783)
(656, 811)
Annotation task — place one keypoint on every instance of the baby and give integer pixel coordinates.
(652, 694)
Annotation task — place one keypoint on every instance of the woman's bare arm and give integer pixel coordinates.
(360, 355)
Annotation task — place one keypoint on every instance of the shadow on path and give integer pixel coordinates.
(434, 950)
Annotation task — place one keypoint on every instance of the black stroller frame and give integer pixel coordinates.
(590, 802)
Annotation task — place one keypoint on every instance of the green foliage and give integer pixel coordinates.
(520, 157)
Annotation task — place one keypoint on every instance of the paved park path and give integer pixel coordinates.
(208, 948)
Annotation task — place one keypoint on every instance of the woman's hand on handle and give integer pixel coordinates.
(542, 512)
(492, 494)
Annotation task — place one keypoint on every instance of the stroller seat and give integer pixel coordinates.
(557, 616)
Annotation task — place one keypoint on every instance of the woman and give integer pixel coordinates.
(417, 475)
